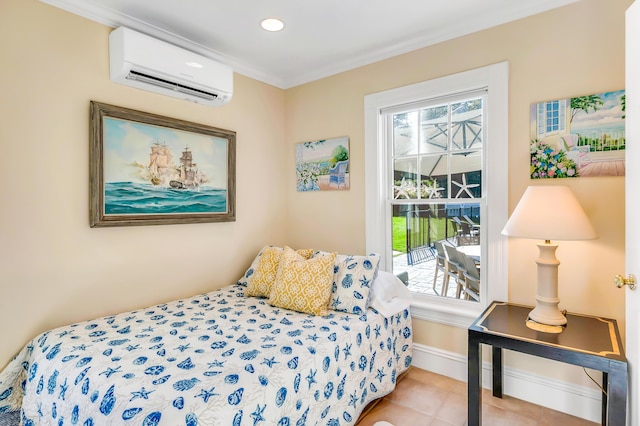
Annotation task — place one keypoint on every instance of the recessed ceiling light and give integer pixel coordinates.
(272, 24)
(193, 64)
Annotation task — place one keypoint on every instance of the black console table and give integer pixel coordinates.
(587, 341)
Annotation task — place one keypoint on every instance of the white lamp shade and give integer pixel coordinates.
(549, 213)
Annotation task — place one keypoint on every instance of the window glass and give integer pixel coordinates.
(434, 123)
(435, 179)
(424, 239)
(448, 166)
(405, 134)
(467, 124)
(405, 178)
(466, 174)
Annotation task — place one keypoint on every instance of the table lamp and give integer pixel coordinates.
(548, 213)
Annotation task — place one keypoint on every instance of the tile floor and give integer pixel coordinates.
(421, 275)
(422, 398)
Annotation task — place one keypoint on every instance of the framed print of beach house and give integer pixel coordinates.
(322, 165)
(146, 169)
(578, 137)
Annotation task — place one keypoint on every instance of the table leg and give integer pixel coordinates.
(617, 400)
(474, 380)
(496, 357)
(605, 392)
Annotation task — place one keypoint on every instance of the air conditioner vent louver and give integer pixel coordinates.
(140, 61)
(149, 79)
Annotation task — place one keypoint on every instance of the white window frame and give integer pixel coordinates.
(495, 78)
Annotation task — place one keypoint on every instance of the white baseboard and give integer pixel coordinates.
(557, 395)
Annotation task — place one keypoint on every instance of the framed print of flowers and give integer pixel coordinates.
(582, 136)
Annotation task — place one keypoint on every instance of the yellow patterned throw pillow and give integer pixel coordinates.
(306, 253)
(265, 274)
(266, 270)
(303, 285)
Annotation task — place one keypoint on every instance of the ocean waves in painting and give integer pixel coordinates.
(136, 198)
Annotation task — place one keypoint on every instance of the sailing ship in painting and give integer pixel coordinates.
(162, 171)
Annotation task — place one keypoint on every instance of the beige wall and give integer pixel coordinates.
(572, 51)
(55, 270)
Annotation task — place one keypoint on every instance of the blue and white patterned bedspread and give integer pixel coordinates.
(213, 359)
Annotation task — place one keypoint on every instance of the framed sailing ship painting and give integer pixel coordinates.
(146, 169)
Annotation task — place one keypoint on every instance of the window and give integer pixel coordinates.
(551, 117)
(436, 155)
(436, 172)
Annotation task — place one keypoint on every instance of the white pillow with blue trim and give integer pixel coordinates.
(352, 279)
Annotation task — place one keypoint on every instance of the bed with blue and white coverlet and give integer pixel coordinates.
(213, 359)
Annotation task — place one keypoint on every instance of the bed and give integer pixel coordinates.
(220, 358)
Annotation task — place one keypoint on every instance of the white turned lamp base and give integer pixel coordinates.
(546, 316)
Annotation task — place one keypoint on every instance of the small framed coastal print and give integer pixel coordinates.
(146, 169)
(323, 165)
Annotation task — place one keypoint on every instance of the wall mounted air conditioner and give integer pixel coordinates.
(147, 63)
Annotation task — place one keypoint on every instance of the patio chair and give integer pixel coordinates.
(404, 277)
(471, 278)
(441, 265)
(337, 174)
(455, 269)
(475, 228)
(456, 224)
(581, 155)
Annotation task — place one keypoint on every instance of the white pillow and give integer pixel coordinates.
(388, 294)
(352, 279)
